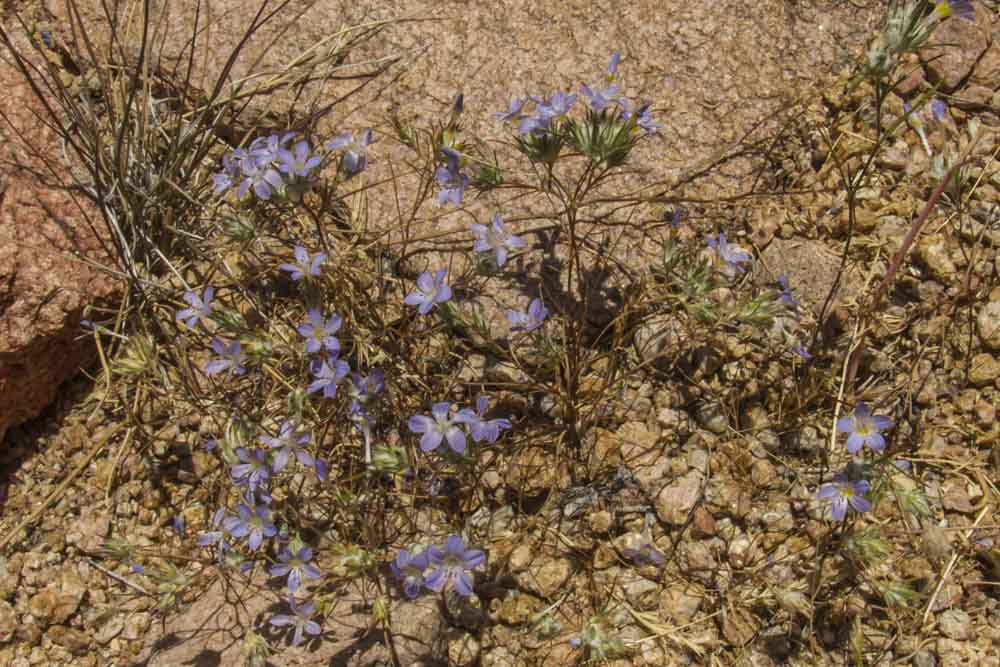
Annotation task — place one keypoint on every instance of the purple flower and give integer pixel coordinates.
(409, 569)
(328, 372)
(263, 178)
(676, 217)
(642, 117)
(802, 351)
(362, 389)
(298, 163)
(612, 71)
(321, 470)
(365, 387)
(533, 124)
(227, 177)
(305, 264)
(732, 256)
(480, 428)
(960, 8)
(200, 307)
(842, 492)
(516, 103)
(431, 290)
(786, 296)
(530, 320)
(216, 536)
(439, 427)
(454, 563)
(289, 443)
(361, 418)
(319, 331)
(496, 238)
(452, 181)
(356, 157)
(231, 357)
(556, 107)
(299, 618)
(266, 149)
(600, 99)
(643, 551)
(254, 522)
(295, 566)
(253, 469)
(939, 110)
(864, 429)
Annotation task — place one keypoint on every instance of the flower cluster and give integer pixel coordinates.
(268, 166)
(848, 489)
(438, 567)
(272, 165)
(607, 133)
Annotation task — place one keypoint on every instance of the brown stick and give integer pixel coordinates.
(883, 288)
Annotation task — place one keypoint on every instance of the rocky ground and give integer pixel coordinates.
(746, 91)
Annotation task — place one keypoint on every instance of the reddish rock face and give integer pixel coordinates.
(49, 240)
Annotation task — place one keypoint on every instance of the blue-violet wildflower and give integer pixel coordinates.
(300, 618)
(481, 428)
(431, 290)
(231, 357)
(786, 297)
(732, 256)
(356, 157)
(496, 238)
(514, 111)
(451, 179)
(454, 563)
(299, 162)
(864, 429)
(289, 443)
(253, 469)
(296, 566)
(530, 320)
(261, 176)
(440, 426)
(328, 372)
(318, 332)
(843, 493)
(200, 307)
(251, 522)
(409, 569)
(305, 264)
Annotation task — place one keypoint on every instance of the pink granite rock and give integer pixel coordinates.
(47, 238)
(963, 43)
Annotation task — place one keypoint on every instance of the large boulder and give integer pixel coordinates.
(49, 244)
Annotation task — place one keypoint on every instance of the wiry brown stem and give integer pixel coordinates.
(883, 288)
